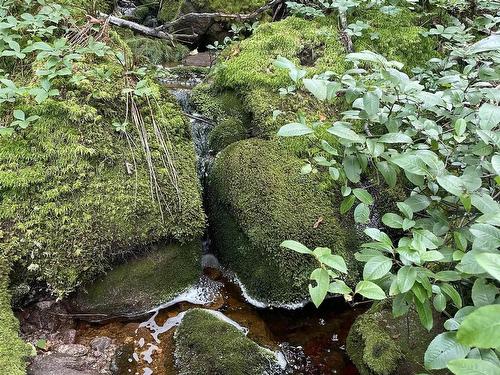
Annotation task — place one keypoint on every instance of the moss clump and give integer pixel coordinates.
(153, 51)
(231, 6)
(141, 284)
(259, 199)
(378, 344)
(205, 344)
(225, 133)
(13, 351)
(71, 199)
(170, 10)
(399, 37)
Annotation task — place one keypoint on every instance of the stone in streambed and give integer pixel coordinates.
(206, 344)
(142, 284)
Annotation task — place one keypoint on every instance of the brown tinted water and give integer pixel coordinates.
(312, 340)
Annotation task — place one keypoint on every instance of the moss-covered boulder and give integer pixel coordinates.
(397, 36)
(258, 198)
(75, 194)
(207, 345)
(13, 351)
(141, 284)
(379, 344)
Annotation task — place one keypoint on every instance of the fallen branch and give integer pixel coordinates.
(148, 31)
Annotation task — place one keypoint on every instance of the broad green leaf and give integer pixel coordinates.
(363, 195)
(491, 43)
(370, 290)
(321, 88)
(371, 104)
(439, 302)
(495, 162)
(442, 349)
(406, 278)
(377, 267)
(334, 261)
(19, 115)
(418, 202)
(388, 172)
(339, 287)
(341, 130)
(362, 214)
(451, 184)
(452, 293)
(470, 366)
(460, 127)
(489, 116)
(490, 262)
(481, 328)
(347, 204)
(483, 293)
(425, 313)
(393, 220)
(294, 129)
(352, 168)
(431, 256)
(378, 235)
(296, 246)
(395, 138)
(319, 291)
(405, 209)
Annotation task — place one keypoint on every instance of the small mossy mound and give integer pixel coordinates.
(75, 193)
(153, 51)
(207, 345)
(378, 343)
(141, 284)
(397, 36)
(13, 351)
(259, 199)
(225, 133)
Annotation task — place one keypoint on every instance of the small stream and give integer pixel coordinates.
(308, 340)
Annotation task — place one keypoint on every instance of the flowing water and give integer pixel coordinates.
(307, 340)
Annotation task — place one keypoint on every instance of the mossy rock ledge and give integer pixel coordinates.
(205, 344)
(257, 199)
(144, 283)
(378, 343)
(76, 195)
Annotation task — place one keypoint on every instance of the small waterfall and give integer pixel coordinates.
(200, 130)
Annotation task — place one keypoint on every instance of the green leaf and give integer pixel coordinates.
(425, 313)
(388, 172)
(342, 131)
(318, 292)
(483, 293)
(294, 129)
(405, 209)
(362, 214)
(363, 195)
(489, 116)
(377, 267)
(371, 104)
(378, 235)
(347, 204)
(439, 302)
(490, 262)
(352, 168)
(296, 246)
(334, 261)
(322, 89)
(418, 202)
(495, 162)
(452, 293)
(19, 115)
(406, 278)
(370, 290)
(451, 184)
(491, 43)
(470, 366)
(393, 220)
(431, 256)
(481, 328)
(442, 349)
(339, 287)
(395, 138)
(460, 127)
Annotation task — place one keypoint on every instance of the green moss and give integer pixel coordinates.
(228, 6)
(205, 344)
(399, 37)
(170, 10)
(13, 351)
(257, 200)
(141, 284)
(153, 51)
(379, 344)
(68, 207)
(225, 133)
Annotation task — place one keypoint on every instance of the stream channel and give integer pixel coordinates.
(306, 340)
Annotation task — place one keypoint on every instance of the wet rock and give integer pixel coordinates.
(258, 199)
(142, 284)
(379, 344)
(100, 344)
(60, 364)
(75, 350)
(207, 344)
